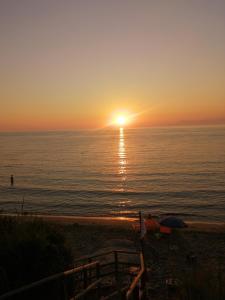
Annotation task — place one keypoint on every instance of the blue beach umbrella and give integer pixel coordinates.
(173, 222)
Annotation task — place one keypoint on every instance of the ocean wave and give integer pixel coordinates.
(112, 193)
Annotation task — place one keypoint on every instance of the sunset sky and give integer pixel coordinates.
(73, 64)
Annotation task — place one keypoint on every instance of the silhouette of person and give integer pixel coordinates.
(12, 180)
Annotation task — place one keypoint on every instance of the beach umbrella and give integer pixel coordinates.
(151, 225)
(173, 222)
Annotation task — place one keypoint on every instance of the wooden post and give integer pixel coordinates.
(116, 264)
(141, 238)
(90, 270)
(142, 286)
(98, 277)
(85, 278)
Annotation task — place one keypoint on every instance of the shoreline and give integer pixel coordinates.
(114, 221)
(83, 220)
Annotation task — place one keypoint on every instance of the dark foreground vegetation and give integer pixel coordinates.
(29, 251)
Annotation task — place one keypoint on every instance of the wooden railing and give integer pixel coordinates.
(86, 266)
(87, 290)
(137, 287)
(60, 276)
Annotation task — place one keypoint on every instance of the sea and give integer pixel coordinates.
(115, 172)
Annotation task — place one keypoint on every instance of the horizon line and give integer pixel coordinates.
(112, 128)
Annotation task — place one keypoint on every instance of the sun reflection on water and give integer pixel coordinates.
(122, 155)
(123, 203)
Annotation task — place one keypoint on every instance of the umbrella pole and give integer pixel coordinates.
(142, 244)
(141, 237)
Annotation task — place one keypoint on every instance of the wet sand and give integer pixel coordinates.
(82, 220)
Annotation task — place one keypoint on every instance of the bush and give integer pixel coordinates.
(29, 251)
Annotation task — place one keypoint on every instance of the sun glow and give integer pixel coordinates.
(121, 120)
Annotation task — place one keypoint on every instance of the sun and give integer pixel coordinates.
(121, 120)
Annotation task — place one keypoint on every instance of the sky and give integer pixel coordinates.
(72, 64)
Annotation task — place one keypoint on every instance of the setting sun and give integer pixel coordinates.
(121, 120)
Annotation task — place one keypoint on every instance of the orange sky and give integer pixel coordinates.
(72, 65)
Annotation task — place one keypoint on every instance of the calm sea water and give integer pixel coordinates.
(116, 172)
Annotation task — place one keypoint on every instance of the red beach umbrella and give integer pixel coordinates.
(152, 225)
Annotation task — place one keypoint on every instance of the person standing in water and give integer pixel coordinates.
(12, 180)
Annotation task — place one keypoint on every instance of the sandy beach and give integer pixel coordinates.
(117, 221)
(166, 255)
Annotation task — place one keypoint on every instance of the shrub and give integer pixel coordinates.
(29, 251)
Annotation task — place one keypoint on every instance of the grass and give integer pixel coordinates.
(29, 251)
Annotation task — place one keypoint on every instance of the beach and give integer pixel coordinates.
(116, 221)
(198, 249)
(200, 246)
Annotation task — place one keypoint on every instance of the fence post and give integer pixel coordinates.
(90, 270)
(143, 278)
(116, 264)
(85, 278)
(97, 277)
